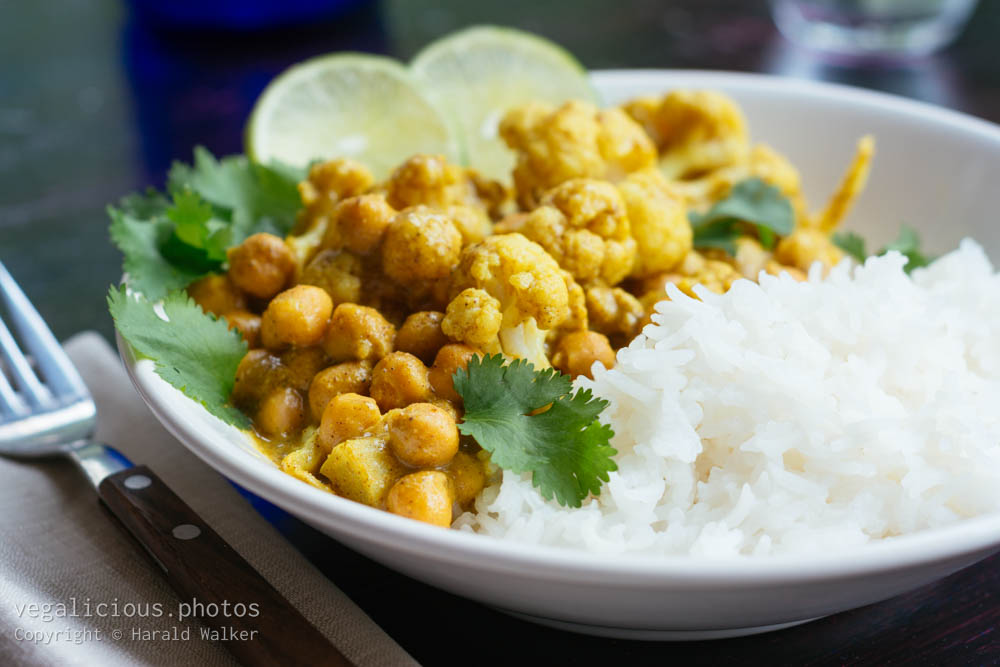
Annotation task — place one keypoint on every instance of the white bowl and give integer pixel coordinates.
(934, 169)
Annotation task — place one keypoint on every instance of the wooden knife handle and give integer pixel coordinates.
(211, 577)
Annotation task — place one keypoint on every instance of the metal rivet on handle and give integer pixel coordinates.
(136, 482)
(186, 531)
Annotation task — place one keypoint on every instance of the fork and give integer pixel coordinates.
(52, 413)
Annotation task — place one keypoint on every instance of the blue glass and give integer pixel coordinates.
(196, 86)
(239, 14)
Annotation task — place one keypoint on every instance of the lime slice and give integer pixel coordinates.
(474, 76)
(346, 105)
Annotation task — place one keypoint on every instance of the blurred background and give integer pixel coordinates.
(97, 97)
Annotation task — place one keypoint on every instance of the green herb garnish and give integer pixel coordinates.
(170, 240)
(196, 353)
(530, 422)
(907, 243)
(751, 203)
(851, 243)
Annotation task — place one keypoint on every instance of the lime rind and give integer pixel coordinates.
(475, 75)
(355, 105)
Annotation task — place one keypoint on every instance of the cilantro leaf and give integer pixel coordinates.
(750, 202)
(144, 205)
(529, 422)
(257, 198)
(171, 240)
(149, 271)
(851, 243)
(195, 352)
(907, 243)
(199, 238)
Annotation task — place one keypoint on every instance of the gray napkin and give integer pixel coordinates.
(61, 556)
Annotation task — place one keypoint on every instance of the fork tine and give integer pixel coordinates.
(10, 403)
(58, 370)
(19, 367)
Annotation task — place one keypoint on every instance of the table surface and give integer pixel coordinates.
(96, 101)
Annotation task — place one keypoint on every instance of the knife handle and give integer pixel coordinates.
(202, 567)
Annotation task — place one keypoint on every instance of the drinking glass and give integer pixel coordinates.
(889, 28)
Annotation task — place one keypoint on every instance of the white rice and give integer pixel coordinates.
(791, 417)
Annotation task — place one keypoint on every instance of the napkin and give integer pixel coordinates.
(75, 591)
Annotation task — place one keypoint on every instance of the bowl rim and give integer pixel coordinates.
(404, 536)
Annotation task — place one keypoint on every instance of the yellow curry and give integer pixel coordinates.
(357, 321)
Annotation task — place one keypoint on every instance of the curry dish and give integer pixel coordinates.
(357, 321)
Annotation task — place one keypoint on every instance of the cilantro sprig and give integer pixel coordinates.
(530, 421)
(752, 204)
(907, 243)
(196, 353)
(170, 239)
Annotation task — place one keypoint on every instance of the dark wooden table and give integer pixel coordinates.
(95, 102)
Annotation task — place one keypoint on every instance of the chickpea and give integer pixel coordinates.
(358, 332)
(423, 436)
(261, 265)
(347, 416)
(468, 476)
(448, 360)
(420, 244)
(398, 380)
(301, 364)
(806, 245)
(421, 335)
(349, 377)
(450, 408)
(297, 316)
(359, 223)
(257, 374)
(281, 413)
(217, 294)
(425, 496)
(577, 351)
(247, 324)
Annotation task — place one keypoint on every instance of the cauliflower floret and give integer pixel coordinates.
(615, 313)
(474, 318)
(577, 305)
(574, 141)
(695, 131)
(764, 163)
(583, 225)
(420, 244)
(657, 215)
(695, 269)
(432, 181)
(528, 285)
(338, 273)
(472, 223)
(327, 184)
